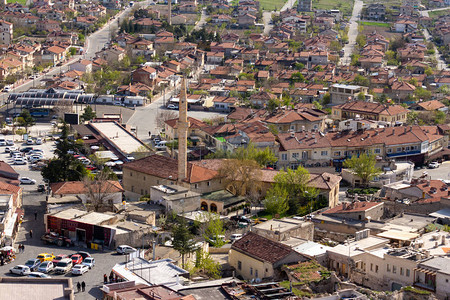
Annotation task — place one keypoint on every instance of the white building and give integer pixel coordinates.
(6, 30)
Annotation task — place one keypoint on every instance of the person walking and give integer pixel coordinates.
(31, 233)
(23, 248)
(105, 279)
(78, 286)
(111, 276)
(83, 286)
(35, 216)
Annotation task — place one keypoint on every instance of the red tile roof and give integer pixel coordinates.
(79, 187)
(261, 248)
(352, 207)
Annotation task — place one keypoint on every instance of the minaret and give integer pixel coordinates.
(183, 126)
(170, 11)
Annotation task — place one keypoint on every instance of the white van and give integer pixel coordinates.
(235, 236)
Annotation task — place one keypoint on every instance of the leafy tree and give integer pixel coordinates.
(422, 93)
(326, 99)
(182, 239)
(276, 202)
(264, 157)
(317, 105)
(429, 71)
(361, 80)
(240, 175)
(361, 40)
(295, 184)
(439, 117)
(272, 105)
(414, 81)
(361, 96)
(65, 167)
(206, 264)
(412, 117)
(214, 231)
(25, 120)
(297, 77)
(88, 114)
(363, 167)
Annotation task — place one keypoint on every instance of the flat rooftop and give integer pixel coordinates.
(346, 86)
(122, 139)
(281, 225)
(35, 288)
(82, 216)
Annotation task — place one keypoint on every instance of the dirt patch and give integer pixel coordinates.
(384, 31)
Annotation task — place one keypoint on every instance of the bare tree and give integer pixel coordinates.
(163, 116)
(240, 176)
(100, 190)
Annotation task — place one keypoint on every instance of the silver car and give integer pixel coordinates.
(46, 267)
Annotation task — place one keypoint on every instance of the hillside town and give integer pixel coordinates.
(244, 149)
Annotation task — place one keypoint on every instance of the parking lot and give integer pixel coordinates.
(442, 172)
(34, 202)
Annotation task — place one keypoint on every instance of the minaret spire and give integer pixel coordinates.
(183, 126)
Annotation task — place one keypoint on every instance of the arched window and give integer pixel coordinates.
(213, 207)
(204, 206)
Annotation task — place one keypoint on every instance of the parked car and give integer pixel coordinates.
(124, 249)
(33, 263)
(30, 141)
(2, 142)
(433, 165)
(89, 261)
(38, 141)
(20, 270)
(63, 266)
(235, 236)
(76, 259)
(58, 258)
(7, 88)
(172, 106)
(38, 275)
(46, 267)
(45, 257)
(26, 149)
(9, 143)
(27, 180)
(241, 219)
(41, 188)
(79, 269)
(20, 161)
(83, 254)
(8, 149)
(161, 145)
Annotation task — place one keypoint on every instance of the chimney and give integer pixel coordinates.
(183, 125)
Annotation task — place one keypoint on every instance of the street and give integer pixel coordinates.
(352, 32)
(443, 172)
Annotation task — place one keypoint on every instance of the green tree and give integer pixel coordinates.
(65, 167)
(317, 105)
(361, 80)
(422, 93)
(264, 157)
(88, 114)
(206, 264)
(412, 117)
(439, 117)
(297, 77)
(295, 184)
(361, 40)
(276, 202)
(326, 99)
(182, 239)
(429, 71)
(272, 105)
(25, 120)
(363, 167)
(214, 231)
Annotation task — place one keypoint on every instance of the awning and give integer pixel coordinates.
(9, 229)
(426, 271)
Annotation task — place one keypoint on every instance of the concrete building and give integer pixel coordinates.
(342, 93)
(254, 256)
(6, 31)
(304, 5)
(357, 211)
(175, 198)
(434, 275)
(24, 288)
(283, 229)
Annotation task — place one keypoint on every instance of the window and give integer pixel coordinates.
(144, 178)
(337, 153)
(142, 191)
(283, 156)
(407, 148)
(388, 268)
(401, 271)
(377, 151)
(394, 269)
(208, 183)
(196, 186)
(399, 149)
(256, 273)
(324, 153)
(294, 155)
(389, 150)
(304, 155)
(407, 272)
(239, 265)
(251, 271)
(371, 267)
(132, 188)
(376, 269)
(131, 174)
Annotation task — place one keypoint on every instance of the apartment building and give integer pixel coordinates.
(342, 93)
(6, 30)
(314, 149)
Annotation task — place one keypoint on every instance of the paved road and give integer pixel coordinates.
(352, 32)
(288, 5)
(443, 172)
(425, 12)
(202, 21)
(441, 65)
(267, 17)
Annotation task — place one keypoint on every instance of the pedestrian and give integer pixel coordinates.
(35, 216)
(111, 277)
(78, 286)
(20, 248)
(23, 248)
(83, 286)
(105, 279)
(31, 233)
